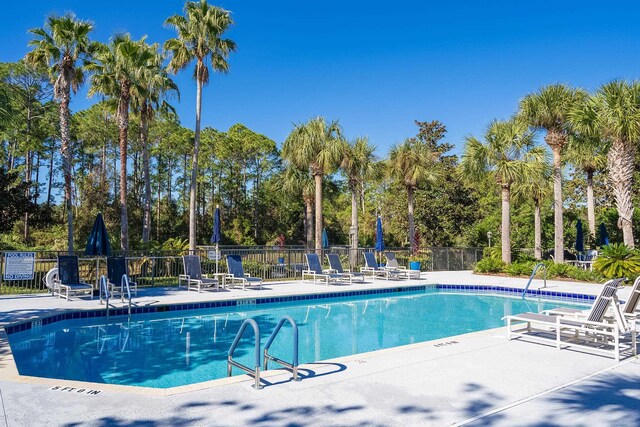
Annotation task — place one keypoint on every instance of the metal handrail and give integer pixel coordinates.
(124, 284)
(104, 291)
(294, 363)
(230, 362)
(533, 274)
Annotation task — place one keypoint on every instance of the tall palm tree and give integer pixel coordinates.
(118, 74)
(410, 164)
(585, 154)
(62, 45)
(359, 165)
(299, 181)
(156, 85)
(199, 39)
(319, 147)
(613, 114)
(507, 155)
(549, 109)
(536, 185)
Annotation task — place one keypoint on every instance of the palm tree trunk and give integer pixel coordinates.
(318, 246)
(537, 231)
(123, 125)
(66, 152)
(27, 191)
(308, 221)
(557, 205)
(591, 213)
(353, 233)
(620, 161)
(194, 165)
(506, 224)
(50, 183)
(412, 225)
(144, 137)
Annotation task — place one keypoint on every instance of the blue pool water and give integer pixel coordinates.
(172, 349)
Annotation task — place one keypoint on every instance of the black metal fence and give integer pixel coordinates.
(271, 263)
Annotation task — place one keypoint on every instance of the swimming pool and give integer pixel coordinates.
(168, 349)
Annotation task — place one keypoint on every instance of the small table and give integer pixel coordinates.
(222, 278)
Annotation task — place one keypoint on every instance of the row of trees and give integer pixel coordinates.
(320, 179)
(584, 129)
(132, 75)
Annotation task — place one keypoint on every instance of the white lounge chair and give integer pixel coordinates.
(67, 281)
(335, 266)
(237, 274)
(592, 332)
(371, 267)
(392, 263)
(116, 268)
(314, 270)
(193, 277)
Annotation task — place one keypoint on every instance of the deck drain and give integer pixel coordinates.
(446, 343)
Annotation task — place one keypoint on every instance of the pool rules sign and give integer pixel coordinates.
(19, 265)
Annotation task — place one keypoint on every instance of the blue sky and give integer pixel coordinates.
(376, 67)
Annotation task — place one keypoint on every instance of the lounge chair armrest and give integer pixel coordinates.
(184, 277)
(329, 270)
(367, 269)
(346, 270)
(308, 272)
(247, 275)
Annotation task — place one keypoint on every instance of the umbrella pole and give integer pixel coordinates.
(217, 258)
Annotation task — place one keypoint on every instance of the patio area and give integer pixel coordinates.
(474, 379)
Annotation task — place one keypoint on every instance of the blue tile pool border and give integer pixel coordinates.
(488, 289)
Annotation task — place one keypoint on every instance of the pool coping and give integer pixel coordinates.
(9, 370)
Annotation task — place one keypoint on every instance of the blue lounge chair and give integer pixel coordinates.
(116, 268)
(371, 267)
(193, 277)
(237, 274)
(314, 270)
(335, 266)
(68, 280)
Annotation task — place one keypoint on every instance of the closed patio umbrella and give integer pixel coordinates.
(216, 236)
(379, 239)
(604, 236)
(98, 242)
(325, 239)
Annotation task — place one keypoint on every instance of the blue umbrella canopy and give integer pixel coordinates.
(216, 237)
(379, 238)
(98, 242)
(579, 237)
(325, 239)
(604, 236)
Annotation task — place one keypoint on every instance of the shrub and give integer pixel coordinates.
(618, 260)
(520, 268)
(490, 265)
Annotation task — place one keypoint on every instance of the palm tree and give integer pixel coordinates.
(549, 109)
(62, 45)
(535, 185)
(508, 155)
(199, 39)
(613, 114)
(156, 84)
(584, 153)
(359, 164)
(118, 74)
(317, 146)
(299, 181)
(410, 164)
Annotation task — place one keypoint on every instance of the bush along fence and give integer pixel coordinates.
(149, 268)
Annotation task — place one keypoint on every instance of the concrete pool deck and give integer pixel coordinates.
(441, 382)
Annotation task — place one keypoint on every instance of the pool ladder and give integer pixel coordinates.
(533, 274)
(124, 286)
(255, 370)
